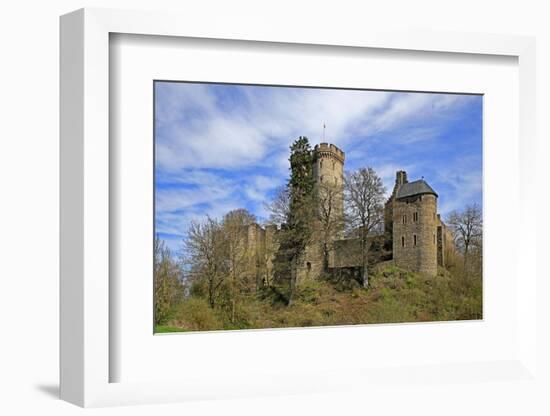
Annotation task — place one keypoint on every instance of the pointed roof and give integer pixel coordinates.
(418, 187)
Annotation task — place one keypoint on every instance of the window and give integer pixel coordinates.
(402, 241)
(333, 164)
(415, 216)
(321, 164)
(308, 265)
(414, 238)
(321, 178)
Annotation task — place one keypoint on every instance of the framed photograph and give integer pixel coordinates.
(285, 213)
(257, 226)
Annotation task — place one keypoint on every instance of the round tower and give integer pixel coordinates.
(414, 227)
(328, 167)
(328, 171)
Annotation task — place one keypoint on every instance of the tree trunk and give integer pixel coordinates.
(211, 297)
(293, 275)
(364, 258)
(466, 247)
(365, 272)
(325, 257)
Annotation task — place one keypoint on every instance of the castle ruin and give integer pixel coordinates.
(414, 236)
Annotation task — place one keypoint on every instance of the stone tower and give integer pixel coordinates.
(413, 208)
(328, 171)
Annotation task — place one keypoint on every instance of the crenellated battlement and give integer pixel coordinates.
(329, 150)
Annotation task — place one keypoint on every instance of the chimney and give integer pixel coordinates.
(400, 178)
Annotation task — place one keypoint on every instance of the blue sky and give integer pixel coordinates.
(221, 147)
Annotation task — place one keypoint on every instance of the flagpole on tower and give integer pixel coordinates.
(324, 128)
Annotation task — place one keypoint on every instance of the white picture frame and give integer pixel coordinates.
(86, 356)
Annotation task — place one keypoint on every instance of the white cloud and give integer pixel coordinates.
(462, 185)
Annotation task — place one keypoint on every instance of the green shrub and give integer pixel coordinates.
(195, 314)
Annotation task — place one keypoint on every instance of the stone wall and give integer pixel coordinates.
(271, 248)
(347, 253)
(445, 243)
(255, 251)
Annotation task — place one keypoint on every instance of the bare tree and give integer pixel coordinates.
(240, 265)
(168, 288)
(467, 227)
(330, 217)
(279, 208)
(206, 248)
(364, 196)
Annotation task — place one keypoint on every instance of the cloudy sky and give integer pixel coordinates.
(221, 147)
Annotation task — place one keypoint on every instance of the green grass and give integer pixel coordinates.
(160, 329)
(394, 295)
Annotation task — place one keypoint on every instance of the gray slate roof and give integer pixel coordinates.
(418, 187)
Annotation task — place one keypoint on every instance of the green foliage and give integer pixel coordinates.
(161, 329)
(296, 233)
(195, 314)
(300, 215)
(394, 295)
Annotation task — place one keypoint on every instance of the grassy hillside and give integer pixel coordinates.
(394, 295)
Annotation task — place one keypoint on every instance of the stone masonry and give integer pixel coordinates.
(418, 238)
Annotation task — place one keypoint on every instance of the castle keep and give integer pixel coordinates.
(414, 235)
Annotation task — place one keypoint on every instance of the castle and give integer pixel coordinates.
(414, 236)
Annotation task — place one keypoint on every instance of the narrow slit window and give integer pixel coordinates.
(402, 241)
(414, 239)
